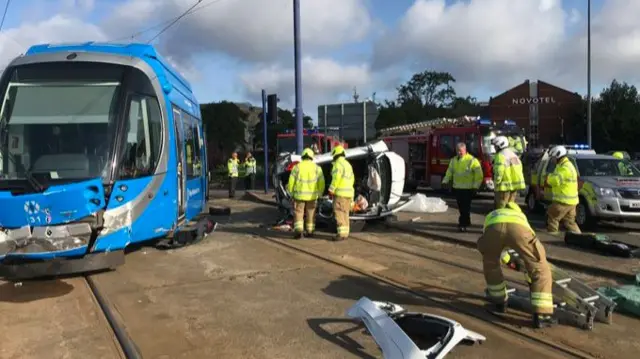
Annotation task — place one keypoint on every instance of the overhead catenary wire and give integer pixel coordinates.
(191, 11)
(174, 21)
(4, 15)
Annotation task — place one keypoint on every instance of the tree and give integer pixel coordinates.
(616, 118)
(429, 89)
(427, 95)
(225, 128)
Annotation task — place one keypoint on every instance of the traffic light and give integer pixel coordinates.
(272, 108)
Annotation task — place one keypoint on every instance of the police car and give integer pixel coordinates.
(609, 188)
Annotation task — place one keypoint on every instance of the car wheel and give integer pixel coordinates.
(532, 204)
(583, 217)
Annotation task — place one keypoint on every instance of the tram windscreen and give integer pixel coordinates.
(58, 120)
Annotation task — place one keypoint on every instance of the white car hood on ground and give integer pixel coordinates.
(378, 317)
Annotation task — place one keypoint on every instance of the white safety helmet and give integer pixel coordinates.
(557, 152)
(501, 142)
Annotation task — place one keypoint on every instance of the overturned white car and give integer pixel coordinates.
(378, 203)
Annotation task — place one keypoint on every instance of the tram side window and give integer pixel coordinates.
(447, 148)
(192, 146)
(143, 138)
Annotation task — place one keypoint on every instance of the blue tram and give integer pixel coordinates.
(101, 146)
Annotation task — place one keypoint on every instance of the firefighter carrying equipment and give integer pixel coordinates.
(341, 188)
(509, 228)
(465, 172)
(564, 196)
(232, 167)
(306, 184)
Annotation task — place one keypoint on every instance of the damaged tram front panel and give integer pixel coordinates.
(101, 146)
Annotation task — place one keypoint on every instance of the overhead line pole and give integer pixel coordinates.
(298, 68)
(589, 73)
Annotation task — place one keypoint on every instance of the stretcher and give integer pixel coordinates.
(574, 302)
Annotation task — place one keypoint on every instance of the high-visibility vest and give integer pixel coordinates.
(342, 179)
(232, 167)
(250, 166)
(306, 182)
(564, 183)
(465, 171)
(510, 214)
(508, 174)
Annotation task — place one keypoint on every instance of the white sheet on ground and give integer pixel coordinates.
(424, 204)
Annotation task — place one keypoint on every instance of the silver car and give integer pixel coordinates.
(609, 187)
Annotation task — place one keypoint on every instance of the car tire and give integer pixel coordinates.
(533, 206)
(584, 219)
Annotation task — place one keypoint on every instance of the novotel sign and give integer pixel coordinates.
(532, 100)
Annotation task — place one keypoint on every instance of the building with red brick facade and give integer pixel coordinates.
(544, 111)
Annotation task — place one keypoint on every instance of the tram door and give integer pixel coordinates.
(181, 169)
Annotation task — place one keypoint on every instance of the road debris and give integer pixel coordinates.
(424, 204)
(402, 334)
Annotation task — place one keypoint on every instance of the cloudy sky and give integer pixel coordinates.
(231, 49)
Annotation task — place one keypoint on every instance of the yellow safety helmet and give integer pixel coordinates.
(308, 152)
(338, 150)
(619, 155)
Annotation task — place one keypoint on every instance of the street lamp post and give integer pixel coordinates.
(589, 73)
(298, 80)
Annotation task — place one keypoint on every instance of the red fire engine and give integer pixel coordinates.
(430, 146)
(311, 138)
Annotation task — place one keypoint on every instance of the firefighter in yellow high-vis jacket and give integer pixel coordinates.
(342, 191)
(306, 184)
(509, 228)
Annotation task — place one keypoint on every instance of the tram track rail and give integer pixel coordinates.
(405, 285)
(127, 347)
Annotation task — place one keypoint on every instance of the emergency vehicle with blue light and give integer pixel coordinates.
(609, 188)
(427, 147)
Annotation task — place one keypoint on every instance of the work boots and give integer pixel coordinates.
(543, 320)
(297, 235)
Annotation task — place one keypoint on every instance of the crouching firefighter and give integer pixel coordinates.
(508, 228)
(342, 191)
(306, 184)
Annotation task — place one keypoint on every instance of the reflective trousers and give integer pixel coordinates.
(302, 209)
(565, 213)
(519, 238)
(501, 198)
(341, 209)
